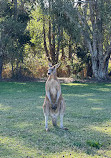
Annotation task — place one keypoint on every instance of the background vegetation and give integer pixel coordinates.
(36, 32)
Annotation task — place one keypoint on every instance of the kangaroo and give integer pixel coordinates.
(54, 104)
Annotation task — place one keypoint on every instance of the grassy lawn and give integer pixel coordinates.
(88, 118)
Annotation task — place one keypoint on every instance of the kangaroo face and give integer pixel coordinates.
(52, 69)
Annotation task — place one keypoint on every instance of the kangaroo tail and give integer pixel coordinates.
(54, 121)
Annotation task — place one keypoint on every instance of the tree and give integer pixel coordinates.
(47, 32)
(13, 36)
(96, 31)
(55, 32)
(2, 37)
(92, 18)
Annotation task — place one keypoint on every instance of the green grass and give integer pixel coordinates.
(87, 117)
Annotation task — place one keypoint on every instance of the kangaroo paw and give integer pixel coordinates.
(47, 129)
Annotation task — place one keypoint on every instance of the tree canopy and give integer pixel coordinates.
(75, 33)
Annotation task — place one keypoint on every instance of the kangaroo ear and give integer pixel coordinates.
(50, 64)
(57, 65)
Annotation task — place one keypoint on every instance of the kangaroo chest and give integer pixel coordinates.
(53, 87)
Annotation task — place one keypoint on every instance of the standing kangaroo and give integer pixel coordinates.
(54, 103)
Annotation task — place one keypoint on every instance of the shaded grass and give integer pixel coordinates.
(88, 118)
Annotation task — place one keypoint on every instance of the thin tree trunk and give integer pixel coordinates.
(62, 47)
(45, 44)
(70, 49)
(15, 9)
(1, 55)
(53, 43)
(63, 54)
(58, 45)
(89, 70)
(12, 69)
(49, 36)
(70, 57)
(1, 65)
(22, 5)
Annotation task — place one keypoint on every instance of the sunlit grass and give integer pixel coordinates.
(76, 84)
(14, 147)
(4, 108)
(103, 128)
(94, 108)
(87, 117)
(103, 89)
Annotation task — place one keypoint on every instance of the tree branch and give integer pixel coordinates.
(108, 52)
(45, 44)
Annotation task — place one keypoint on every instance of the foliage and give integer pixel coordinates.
(70, 32)
(109, 68)
(13, 34)
(36, 31)
(90, 19)
(96, 145)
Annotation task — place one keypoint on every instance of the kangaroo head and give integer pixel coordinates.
(52, 69)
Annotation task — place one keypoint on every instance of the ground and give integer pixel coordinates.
(87, 117)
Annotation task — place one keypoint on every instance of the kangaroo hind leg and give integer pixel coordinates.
(62, 110)
(46, 122)
(46, 113)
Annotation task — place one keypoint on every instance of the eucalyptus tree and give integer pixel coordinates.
(93, 18)
(53, 31)
(57, 19)
(95, 21)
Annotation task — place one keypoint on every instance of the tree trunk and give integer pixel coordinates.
(53, 42)
(1, 55)
(45, 44)
(1, 65)
(94, 66)
(94, 37)
(89, 70)
(58, 45)
(12, 69)
(15, 9)
(22, 5)
(100, 68)
(70, 57)
(62, 45)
